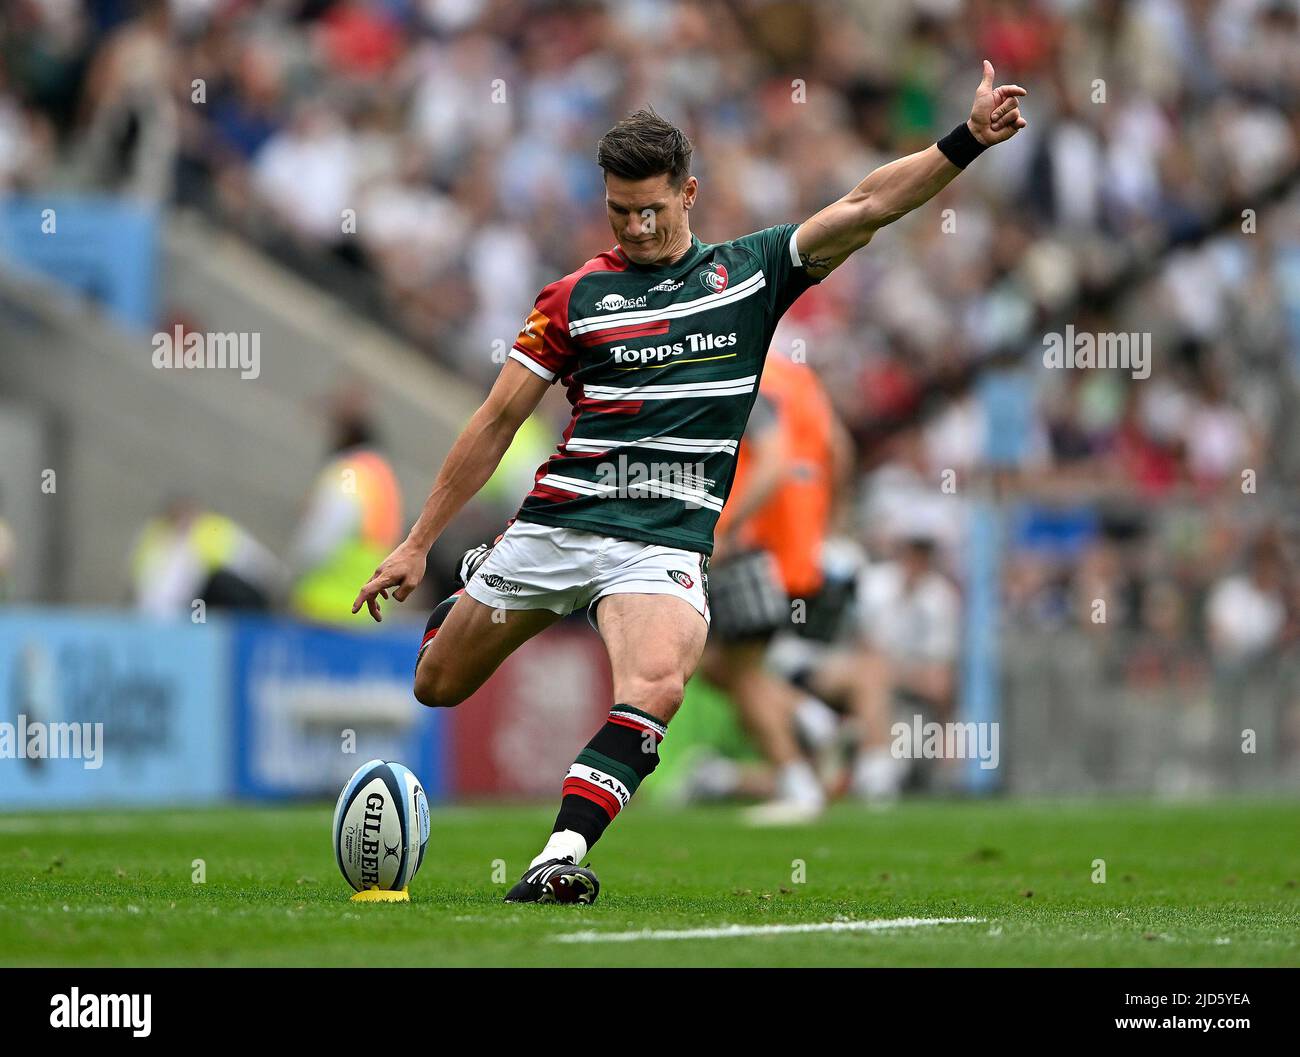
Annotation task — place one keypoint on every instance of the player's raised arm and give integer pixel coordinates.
(470, 462)
(826, 239)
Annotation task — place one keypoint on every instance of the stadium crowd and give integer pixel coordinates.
(434, 158)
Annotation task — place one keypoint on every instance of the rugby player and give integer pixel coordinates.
(660, 342)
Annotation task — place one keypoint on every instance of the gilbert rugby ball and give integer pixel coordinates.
(381, 827)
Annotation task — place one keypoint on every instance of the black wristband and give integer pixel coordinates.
(960, 146)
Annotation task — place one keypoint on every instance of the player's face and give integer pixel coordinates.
(649, 216)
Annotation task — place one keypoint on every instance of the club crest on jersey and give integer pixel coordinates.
(682, 578)
(714, 278)
(613, 302)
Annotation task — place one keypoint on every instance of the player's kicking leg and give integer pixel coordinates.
(470, 647)
(466, 641)
(654, 643)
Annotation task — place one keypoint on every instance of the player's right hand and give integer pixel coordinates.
(995, 114)
(401, 573)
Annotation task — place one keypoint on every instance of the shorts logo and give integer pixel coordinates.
(682, 578)
(714, 278)
(500, 583)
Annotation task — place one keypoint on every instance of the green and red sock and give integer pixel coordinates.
(603, 779)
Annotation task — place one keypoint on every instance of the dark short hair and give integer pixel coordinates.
(643, 145)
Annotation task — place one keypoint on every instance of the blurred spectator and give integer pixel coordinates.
(129, 111)
(305, 174)
(188, 554)
(352, 521)
(26, 143)
(1246, 611)
(910, 614)
(901, 661)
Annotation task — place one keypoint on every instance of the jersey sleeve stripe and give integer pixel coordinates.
(517, 354)
(794, 249)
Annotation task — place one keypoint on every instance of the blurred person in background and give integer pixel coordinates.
(748, 603)
(131, 130)
(903, 661)
(26, 143)
(1247, 621)
(767, 576)
(1246, 611)
(188, 554)
(305, 174)
(353, 518)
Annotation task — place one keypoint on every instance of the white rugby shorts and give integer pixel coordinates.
(544, 567)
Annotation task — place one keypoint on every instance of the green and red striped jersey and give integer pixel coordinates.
(661, 366)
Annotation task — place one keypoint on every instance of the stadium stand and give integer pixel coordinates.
(1153, 194)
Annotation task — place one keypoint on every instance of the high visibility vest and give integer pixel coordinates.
(514, 476)
(792, 524)
(325, 593)
(211, 540)
(171, 563)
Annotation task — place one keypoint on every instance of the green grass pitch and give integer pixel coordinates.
(1186, 885)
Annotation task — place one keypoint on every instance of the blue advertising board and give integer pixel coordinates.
(105, 248)
(312, 704)
(100, 709)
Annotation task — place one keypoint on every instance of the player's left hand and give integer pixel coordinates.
(995, 114)
(401, 572)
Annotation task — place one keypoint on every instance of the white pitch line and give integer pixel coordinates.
(721, 932)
